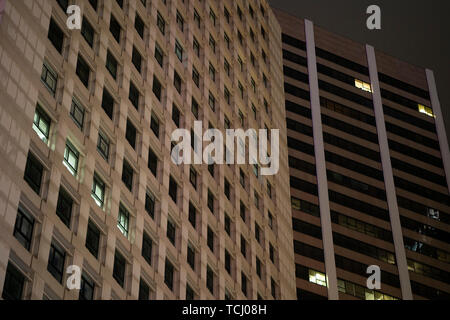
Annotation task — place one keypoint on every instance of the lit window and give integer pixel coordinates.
(123, 221)
(41, 124)
(363, 85)
(98, 191)
(71, 158)
(317, 278)
(426, 110)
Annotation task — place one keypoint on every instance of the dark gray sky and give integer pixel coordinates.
(416, 31)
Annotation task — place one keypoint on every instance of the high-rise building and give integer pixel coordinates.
(369, 169)
(86, 177)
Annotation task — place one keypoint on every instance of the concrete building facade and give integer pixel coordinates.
(87, 182)
(369, 169)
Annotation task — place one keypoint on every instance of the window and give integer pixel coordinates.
(212, 72)
(180, 21)
(192, 215)
(177, 82)
(179, 50)
(41, 124)
(426, 110)
(193, 177)
(173, 189)
(227, 14)
(243, 247)
(14, 283)
(210, 279)
(190, 294)
(108, 103)
(227, 39)
(152, 162)
(212, 44)
(98, 191)
(88, 32)
(154, 125)
(23, 228)
(212, 101)
(161, 23)
(227, 261)
(226, 189)
(212, 16)
(115, 29)
(271, 253)
(56, 35)
(159, 54)
(269, 189)
(147, 248)
(92, 239)
(226, 67)
(270, 217)
(191, 256)
(197, 18)
(64, 207)
(210, 239)
(157, 88)
(133, 95)
(120, 3)
(111, 64)
(94, 4)
(63, 4)
(136, 58)
(196, 77)
(144, 290)
(171, 231)
(317, 278)
(87, 288)
(127, 175)
(49, 78)
(273, 288)
(139, 26)
(77, 113)
(103, 145)
(119, 268)
(194, 108)
(242, 178)
(83, 71)
(258, 267)
(210, 201)
(169, 274)
(257, 233)
(150, 204)
(130, 134)
(363, 85)
(123, 220)
(244, 283)
(241, 89)
(56, 261)
(227, 224)
(196, 47)
(71, 158)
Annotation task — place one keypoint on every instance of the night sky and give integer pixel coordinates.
(417, 32)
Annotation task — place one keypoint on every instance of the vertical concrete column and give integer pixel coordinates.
(391, 195)
(321, 171)
(440, 125)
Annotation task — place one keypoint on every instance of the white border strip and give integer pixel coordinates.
(321, 172)
(440, 125)
(397, 235)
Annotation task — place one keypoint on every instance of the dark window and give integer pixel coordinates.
(179, 50)
(161, 23)
(87, 288)
(210, 239)
(173, 189)
(244, 283)
(212, 101)
(150, 204)
(144, 290)
(56, 260)
(23, 228)
(33, 173)
(136, 58)
(111, 64)
(177, 82)
(88, 32)
(63, 4)
(130, 134)
(56, 35)
(180, 21)
(196, 77)
(49, 78)
(93, 239)
(243, 247)
(157, 88)
(64, 207)
(154, 125)
(77, 113)
(94, 4)
(196, 47)
(193, 177)
(147, 248)
(192, 215)
(227, 225)
(169, 274)
(257, 232)
(152, 162)
(194, 108)
(127, 175)
(272, 253)
(103, 145)
(191, 256)
(120, 3)
(134, 96)
(115, 28)
(171, 231)
(13, 285)
(258, 267)
(190, 294)
(108, 103)
(227, 261)
(242, 211)
(83, 71)
(119, 268)
(139, 26)
(227, 189)
(210, 279)
(210, 201)
(159, 54)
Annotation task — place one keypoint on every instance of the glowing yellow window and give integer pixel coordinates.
(426, 110)
(363, 85)
(317, 278)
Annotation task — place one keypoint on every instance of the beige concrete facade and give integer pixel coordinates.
(25, 46)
